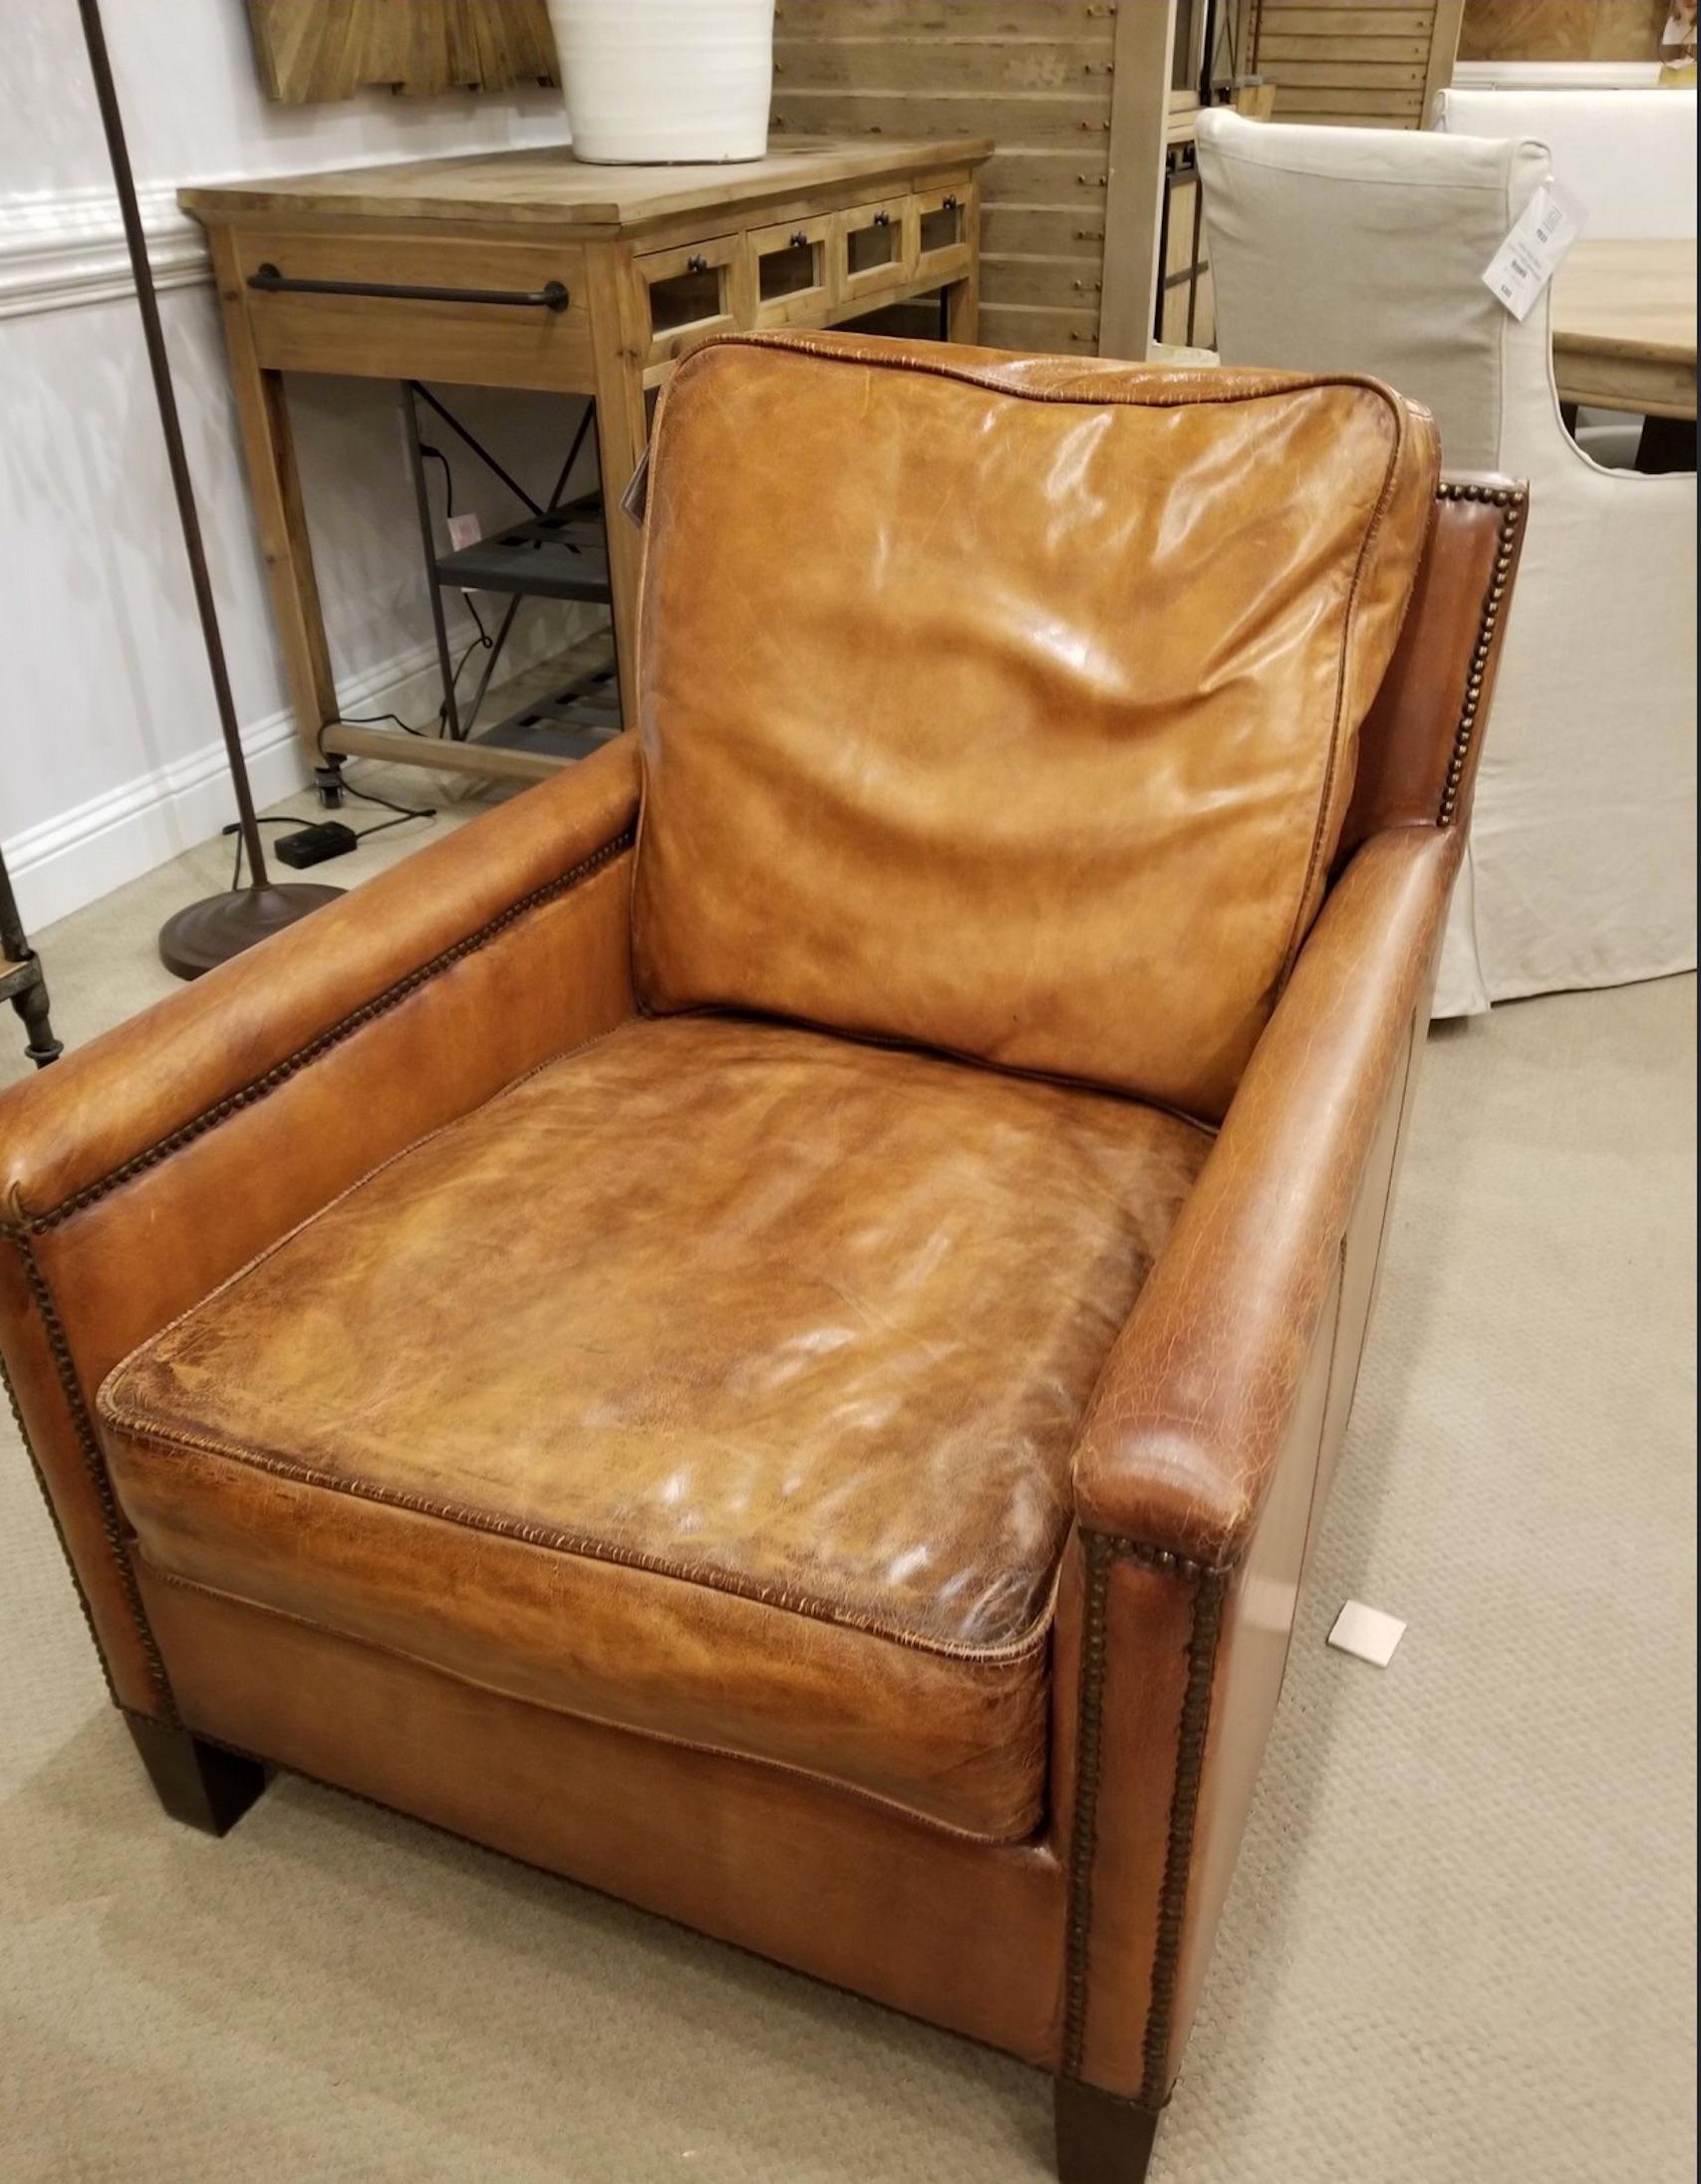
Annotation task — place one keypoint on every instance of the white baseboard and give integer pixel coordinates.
(78, 856)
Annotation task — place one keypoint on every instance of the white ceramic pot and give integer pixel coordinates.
(660, 81)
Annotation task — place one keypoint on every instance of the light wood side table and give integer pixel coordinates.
(528, 269)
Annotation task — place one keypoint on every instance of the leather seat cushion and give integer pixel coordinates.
(719, 1381)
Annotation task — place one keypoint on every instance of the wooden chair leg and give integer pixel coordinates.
(201, 1785)
(1101, 2139)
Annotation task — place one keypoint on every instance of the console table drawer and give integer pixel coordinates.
(872, 249)
(793, 272)
(689, 292)
(416, 307)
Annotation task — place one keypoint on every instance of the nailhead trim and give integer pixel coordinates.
(281, 1072)
(58, 1531)
(1511, 502)
(111, 1524)
(1102, 1550)
(1184, 1811)
(59, 1344)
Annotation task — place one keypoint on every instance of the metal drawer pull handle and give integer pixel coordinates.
(947, 203)
(799, 241)
(552, 296)
(697, 263)
(883, 219)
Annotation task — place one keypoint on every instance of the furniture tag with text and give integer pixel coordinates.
(463, 531)
(1539, 238)
(1369, 1633)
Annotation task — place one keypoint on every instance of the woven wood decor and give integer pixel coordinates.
(313, 50)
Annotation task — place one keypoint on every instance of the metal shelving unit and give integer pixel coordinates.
(557, 550)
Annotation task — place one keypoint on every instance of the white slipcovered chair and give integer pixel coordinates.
(1627, 156)
(1363, 250)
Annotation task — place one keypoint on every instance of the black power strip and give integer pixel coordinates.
(313, 845)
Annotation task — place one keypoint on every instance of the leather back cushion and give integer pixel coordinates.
(1006, 706)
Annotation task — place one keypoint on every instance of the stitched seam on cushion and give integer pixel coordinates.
(1185, 395)
(140, 1425)
(1380, 181)
(551, 1539)
(1188, 396)
(322, 1042)
(597, 1721)
(898, 1042)
(95, 1471)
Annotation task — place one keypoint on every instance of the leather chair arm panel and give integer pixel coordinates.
(143, 1170)
(1197, 1400)
(70, 1127)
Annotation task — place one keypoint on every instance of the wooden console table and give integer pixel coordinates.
(527, 269)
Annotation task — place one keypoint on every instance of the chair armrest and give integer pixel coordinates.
(67, 1128)
(1193, 1409)
(143, 1170)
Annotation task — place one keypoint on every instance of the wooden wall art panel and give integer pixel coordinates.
(315, 50)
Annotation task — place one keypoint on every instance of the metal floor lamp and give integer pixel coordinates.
(193, 940)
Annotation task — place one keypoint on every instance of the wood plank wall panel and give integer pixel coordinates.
(1368, 64)
(1033, 75)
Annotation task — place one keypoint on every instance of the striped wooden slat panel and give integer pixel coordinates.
(1347, 104)
(1274, 48)
(1029, 118)
(1277, 47)
(999, 64)
(1364, 62)
(1308, 20)
(1351, 75)
(1036, 77)
(1042, 231)
(1306, 117)
(1063, 284)
(965, 19)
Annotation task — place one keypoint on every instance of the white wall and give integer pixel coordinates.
(109, 759)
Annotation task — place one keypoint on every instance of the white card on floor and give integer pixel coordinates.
(1538, 239)
(1368, 1632)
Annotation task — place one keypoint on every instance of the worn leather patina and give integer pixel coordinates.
(1043, 763)
(768, 1325)
(780, 1493)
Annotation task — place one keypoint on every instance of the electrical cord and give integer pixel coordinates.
(403, 812)
(429, 735)
(449, 510)
(482, 640)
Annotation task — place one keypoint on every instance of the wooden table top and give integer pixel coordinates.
(1626, 306)
(548, 188)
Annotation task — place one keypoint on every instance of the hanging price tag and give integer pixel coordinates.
(1540, 237)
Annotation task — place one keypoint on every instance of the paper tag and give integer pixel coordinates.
(463, 531)
(1540, 237)
(1368, 1632)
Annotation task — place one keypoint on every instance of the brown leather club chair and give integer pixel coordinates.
(768, 1325)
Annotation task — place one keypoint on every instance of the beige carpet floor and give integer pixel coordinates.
(1462, 1942)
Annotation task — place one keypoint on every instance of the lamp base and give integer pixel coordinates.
(194, 938)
